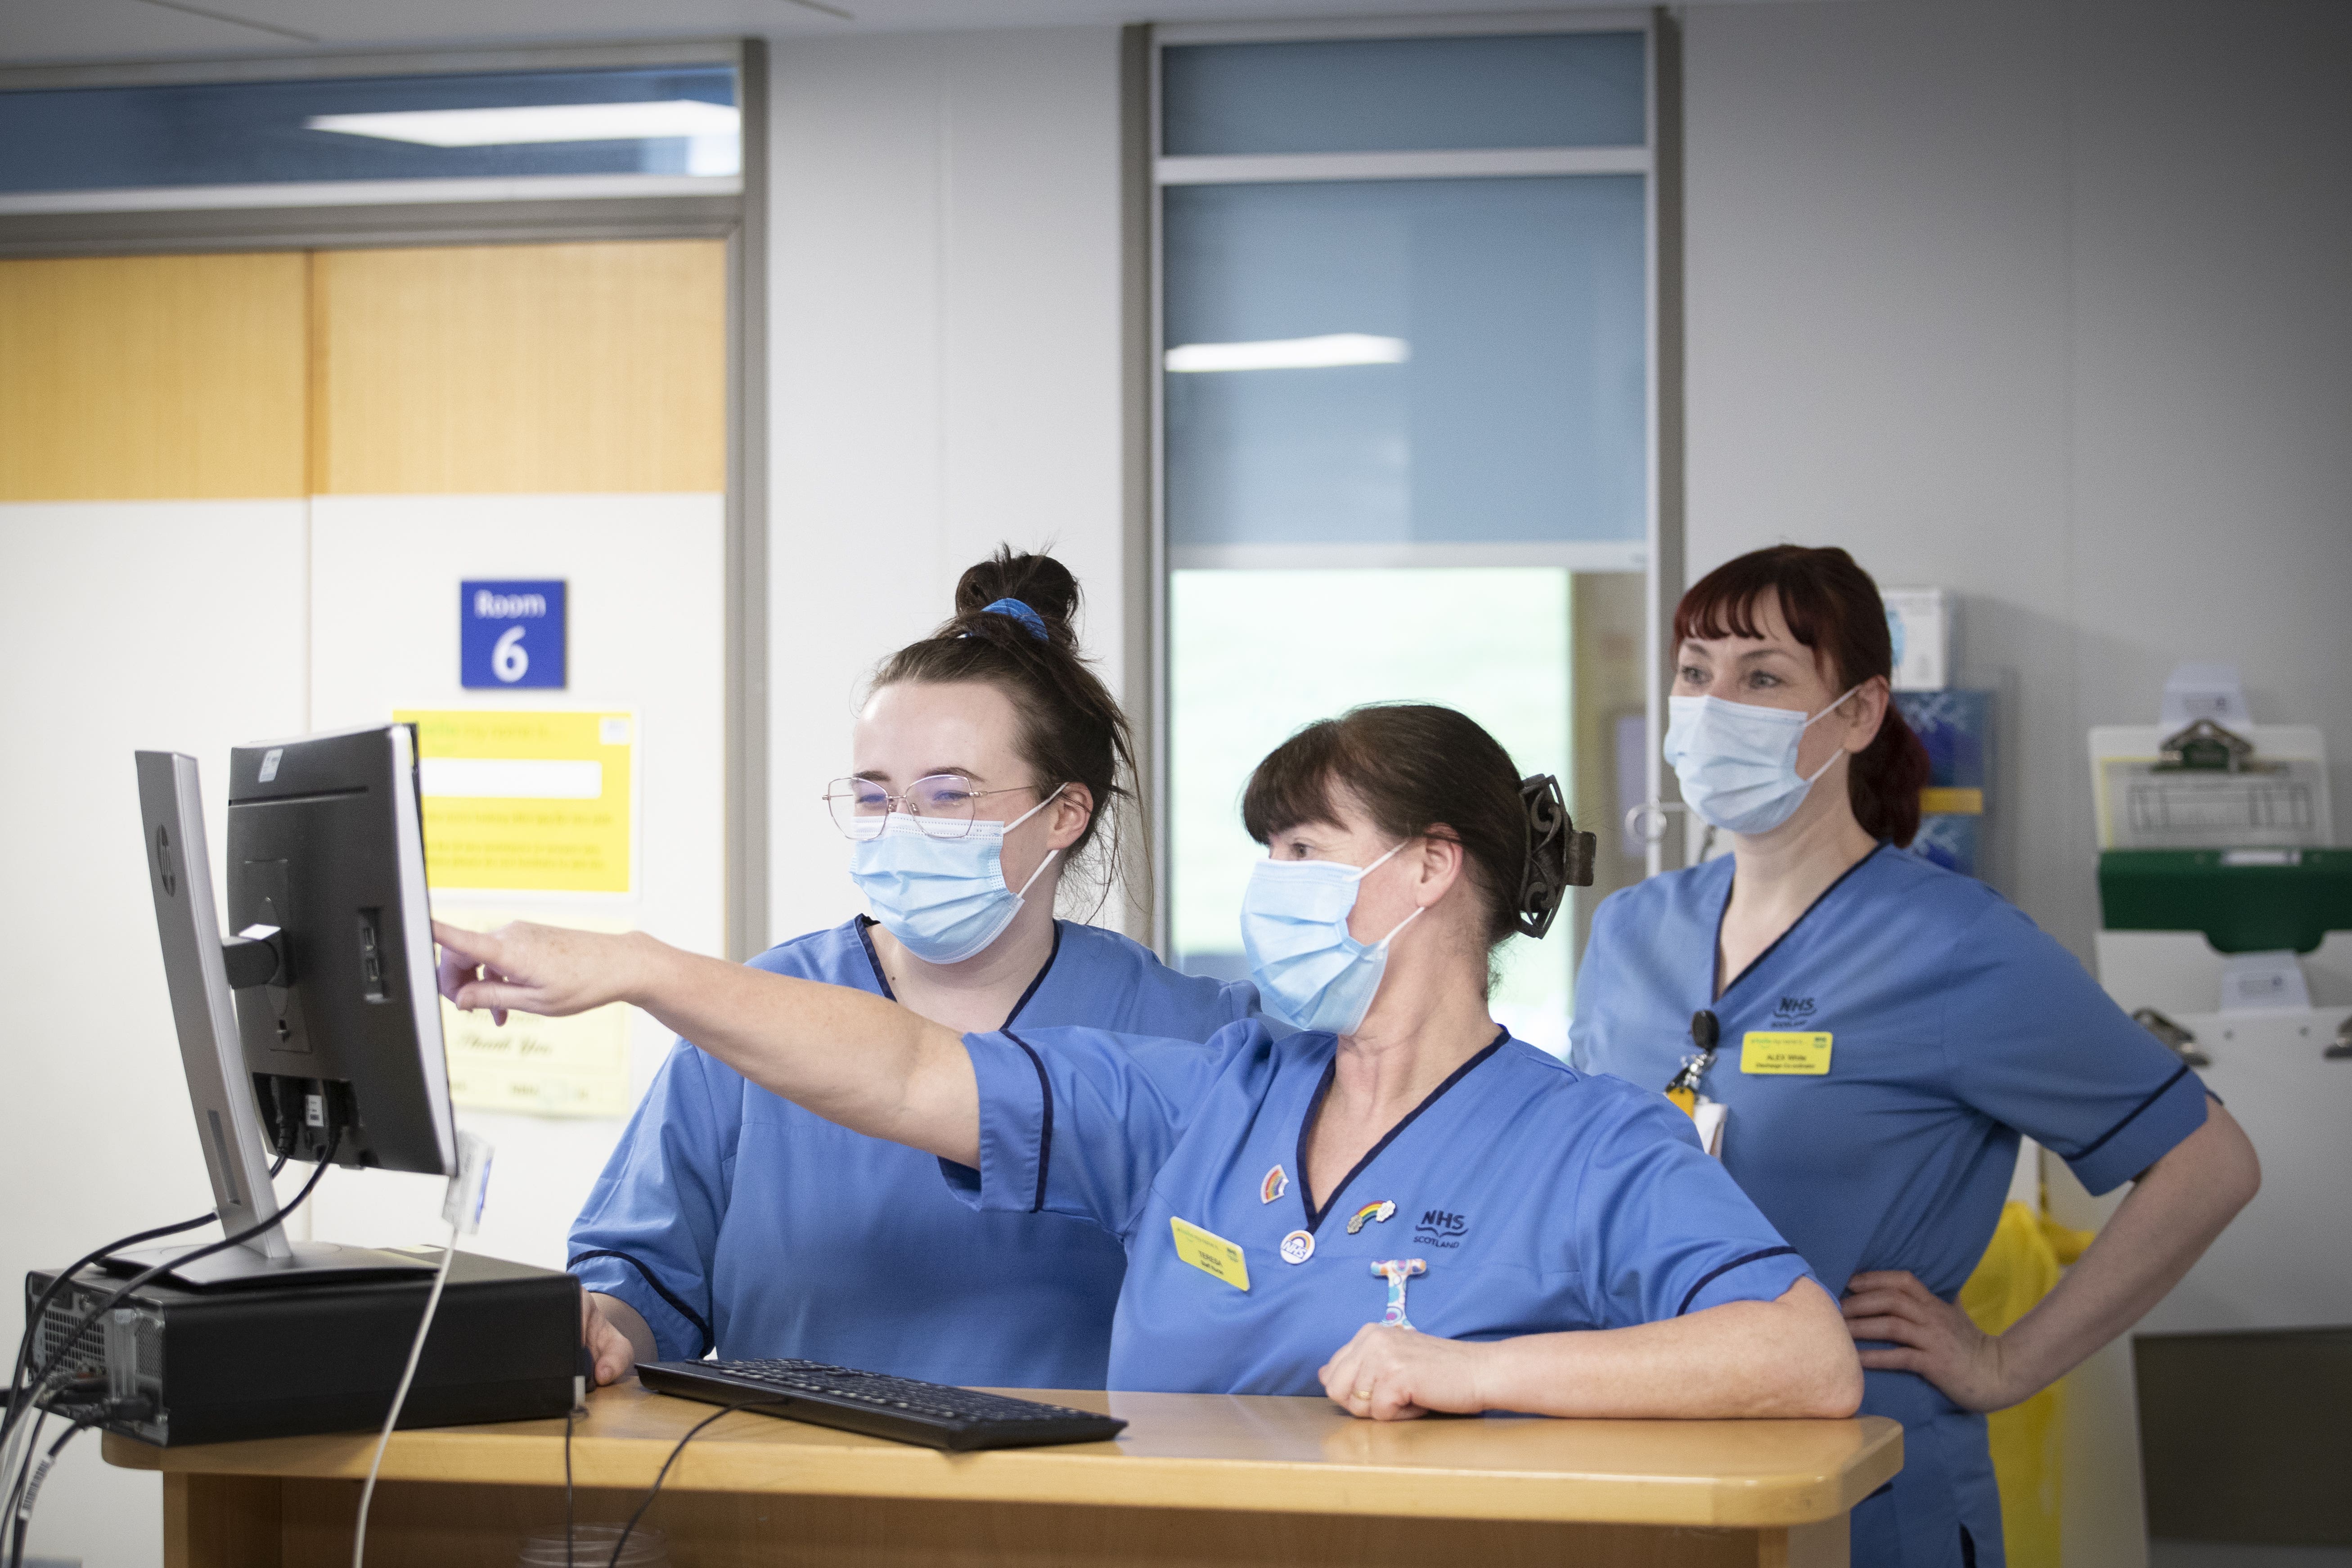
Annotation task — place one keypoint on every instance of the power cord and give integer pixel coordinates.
(580, 1382)
(26, 1486)
(19, 1478)
(630, 1529)
(23, 1513)
(48, 1293)
(37, 1390)
(462, 1207)
(81, 1326)
(400, 1397)
(571, 1418)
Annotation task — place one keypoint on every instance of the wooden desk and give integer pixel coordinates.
(1196, 1479)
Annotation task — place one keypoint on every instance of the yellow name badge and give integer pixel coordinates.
(1804, 1054)
(1210, 1253)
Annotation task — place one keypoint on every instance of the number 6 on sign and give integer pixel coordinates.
(510, 634)
(509, 660)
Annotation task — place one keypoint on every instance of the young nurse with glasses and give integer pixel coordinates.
(1400, 1206)
(989, 760)
(1872, 1033)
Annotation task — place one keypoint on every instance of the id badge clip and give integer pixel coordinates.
(1683, 1089)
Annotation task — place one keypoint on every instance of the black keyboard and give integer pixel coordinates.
(879, 1406)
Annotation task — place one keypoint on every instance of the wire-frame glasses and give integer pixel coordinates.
(941, 804)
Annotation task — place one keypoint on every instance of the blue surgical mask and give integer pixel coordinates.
(943, 899)
(1310, 973)
(1737, 761)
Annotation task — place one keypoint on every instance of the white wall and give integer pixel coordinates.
(2045, 303)
(945, 343)
(123, 625)
(645, 576)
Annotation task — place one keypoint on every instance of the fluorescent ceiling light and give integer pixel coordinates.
(1291, 353)
(538, 122)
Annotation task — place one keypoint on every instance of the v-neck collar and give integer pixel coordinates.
(1715, 948)
(1315, 1103)
(865, 938)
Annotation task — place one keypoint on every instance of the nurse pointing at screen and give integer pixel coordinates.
(988, 764)
(1400, 1206)
(1872, 1033)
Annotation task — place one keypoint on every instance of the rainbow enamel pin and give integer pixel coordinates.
(1276, 1183)
(1382, 1211)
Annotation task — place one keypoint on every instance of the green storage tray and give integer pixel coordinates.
(2240, 909)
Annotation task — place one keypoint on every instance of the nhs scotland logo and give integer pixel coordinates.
(510, 634)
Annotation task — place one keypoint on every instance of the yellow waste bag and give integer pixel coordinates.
(2018, 1269)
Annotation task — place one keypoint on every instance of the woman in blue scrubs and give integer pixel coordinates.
(1875, 1032)
(729, 1217)
(1401, 1205)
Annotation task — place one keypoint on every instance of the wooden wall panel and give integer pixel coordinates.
(153, 378)
(536, 369)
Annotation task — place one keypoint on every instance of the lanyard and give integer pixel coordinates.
(1683, 1087)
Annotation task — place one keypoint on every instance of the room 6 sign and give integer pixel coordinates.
(510, 634)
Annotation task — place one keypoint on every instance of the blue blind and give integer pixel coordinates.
(1455, 360)
(255, 132)
(1393, 95)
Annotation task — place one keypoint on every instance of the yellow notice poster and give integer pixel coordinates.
(520, 801)
(539, 1066)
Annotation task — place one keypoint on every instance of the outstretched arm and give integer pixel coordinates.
(870, 1065)
(1785, 1358)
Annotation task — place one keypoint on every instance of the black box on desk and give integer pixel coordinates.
(283, 1361)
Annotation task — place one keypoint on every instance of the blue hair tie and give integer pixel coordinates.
(1021, 612)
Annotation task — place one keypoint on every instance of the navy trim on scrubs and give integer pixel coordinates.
(676, 1304)
(1307, 1122)
(1723, 1268)
(2087, 1150)
(1045, 1145)
(866, 924)
(1753, 964)
(1014, 1016)
(1045, 1129)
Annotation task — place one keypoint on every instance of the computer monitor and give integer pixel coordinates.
(318, 1021)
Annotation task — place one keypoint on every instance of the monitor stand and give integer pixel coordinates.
(242, 1269)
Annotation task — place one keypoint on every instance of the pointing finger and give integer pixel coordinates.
(498, 996)
(476, 946)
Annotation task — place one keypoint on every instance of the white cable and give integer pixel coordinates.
(400, 1397)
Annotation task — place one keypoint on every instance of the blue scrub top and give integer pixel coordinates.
(1955, 1023)
(731, 1217)
(1537, 1197)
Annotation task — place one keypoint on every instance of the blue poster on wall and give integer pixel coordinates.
(510, 634)
(1957, 728)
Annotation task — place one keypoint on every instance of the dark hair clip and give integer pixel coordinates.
(1558, 857)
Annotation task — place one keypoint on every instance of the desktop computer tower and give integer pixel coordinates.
(281, 1361)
